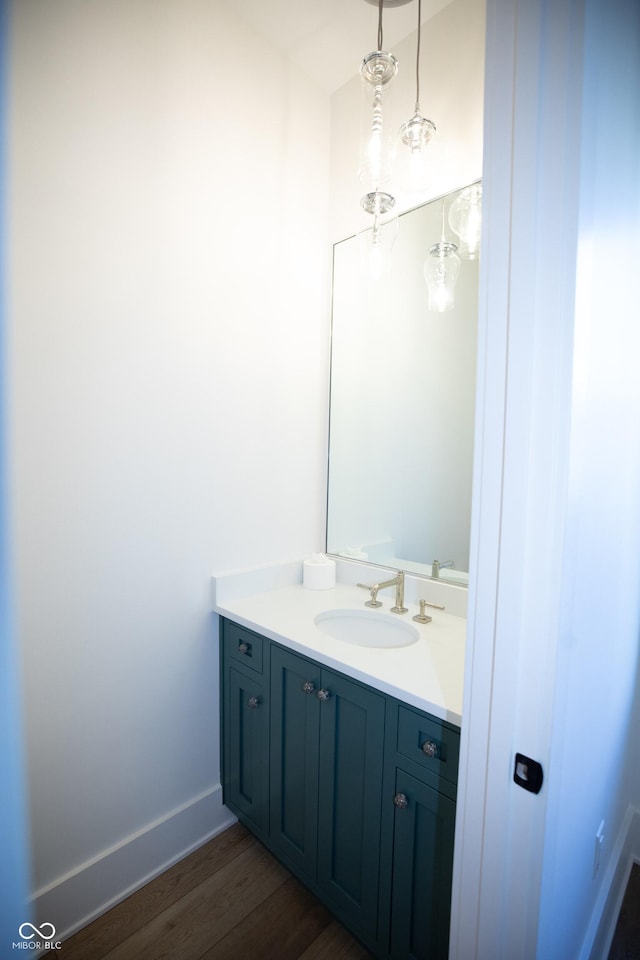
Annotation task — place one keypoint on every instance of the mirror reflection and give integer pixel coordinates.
(402, 405)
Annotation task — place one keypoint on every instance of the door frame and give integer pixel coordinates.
(533, 93)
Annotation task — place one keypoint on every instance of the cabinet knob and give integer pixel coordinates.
(308, 686)
(244, 647)
(430, 748)
(400, 801)
(323, 694)
(253, 702)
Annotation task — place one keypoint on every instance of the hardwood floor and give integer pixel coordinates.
(229, 899)
(626, 939)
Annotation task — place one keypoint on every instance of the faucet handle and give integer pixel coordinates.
(423, 617)
(373, 587)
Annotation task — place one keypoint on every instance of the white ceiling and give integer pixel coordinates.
(329, 38)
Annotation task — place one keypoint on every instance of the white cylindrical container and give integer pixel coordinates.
(319, 572)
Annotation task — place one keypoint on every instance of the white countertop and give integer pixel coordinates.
(428, 674)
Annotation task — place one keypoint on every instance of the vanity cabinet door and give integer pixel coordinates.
(327, 739)
(423, 831)
(350, 790)
(295, 750)
(246, 749)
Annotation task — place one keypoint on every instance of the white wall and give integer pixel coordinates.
(169, 343)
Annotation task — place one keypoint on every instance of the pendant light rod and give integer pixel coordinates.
(380, 4)
(418, 58)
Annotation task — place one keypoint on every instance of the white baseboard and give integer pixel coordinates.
(607, 907)
(75, 899)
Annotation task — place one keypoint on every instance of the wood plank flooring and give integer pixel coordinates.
(626, 939)
(229, 899)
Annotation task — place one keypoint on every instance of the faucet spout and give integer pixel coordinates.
(397, 582)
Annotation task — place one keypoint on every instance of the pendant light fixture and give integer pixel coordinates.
(465, 219)
(417, 131)
(441, 269)
(378, 238)
(376, 158)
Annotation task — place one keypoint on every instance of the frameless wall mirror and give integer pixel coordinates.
(402, 406)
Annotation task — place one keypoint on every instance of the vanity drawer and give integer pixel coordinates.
(243, 646)
(429, 743)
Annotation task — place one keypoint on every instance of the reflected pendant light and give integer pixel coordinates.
(417, 131)
(465, 219)
(441, 269)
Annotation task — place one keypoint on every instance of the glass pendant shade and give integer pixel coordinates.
(415, 134)
(441, 269)
(377, 141)
(417, 131)
(378, 234)
(465, 219)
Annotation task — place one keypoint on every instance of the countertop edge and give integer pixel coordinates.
(412, 699)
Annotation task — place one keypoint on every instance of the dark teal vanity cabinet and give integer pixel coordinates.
(419, 809)
(352, 790)
(327, 740)
(245, 727)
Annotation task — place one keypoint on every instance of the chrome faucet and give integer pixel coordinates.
(397, 582)
(438, 565)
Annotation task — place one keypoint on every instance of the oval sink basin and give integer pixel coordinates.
(367, 628)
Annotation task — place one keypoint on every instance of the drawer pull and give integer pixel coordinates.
(430, 748)
(245, 648)
(308, 686)
(253, 702)
(400, 801)
(323, 694)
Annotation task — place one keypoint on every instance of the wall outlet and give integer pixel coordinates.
(597, 852)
